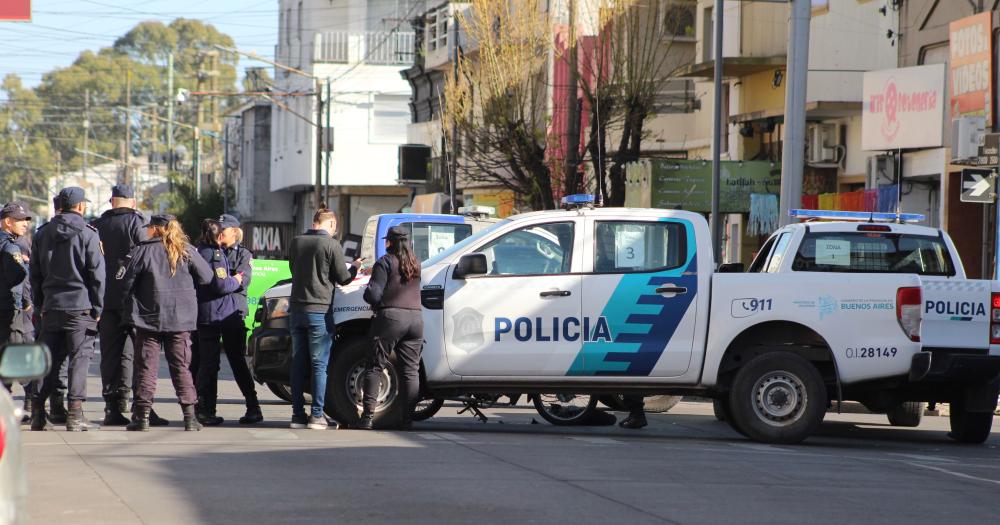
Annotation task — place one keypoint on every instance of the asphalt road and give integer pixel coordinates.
(684, 468)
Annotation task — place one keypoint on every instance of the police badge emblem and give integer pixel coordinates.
(468, 333)
(17, 258)
(220, 272)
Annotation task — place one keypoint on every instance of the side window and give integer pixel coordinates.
(779, 253)
(430, 239)
(368, 241)
(621, 247)
(760, 258)
(536, 250)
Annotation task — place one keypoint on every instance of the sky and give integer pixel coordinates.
(61, 29)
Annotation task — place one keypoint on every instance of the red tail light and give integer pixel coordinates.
(995, 319)
(909, 311)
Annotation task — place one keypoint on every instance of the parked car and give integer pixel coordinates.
(17, 363)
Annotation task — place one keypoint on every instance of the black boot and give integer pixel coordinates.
(113, 416)
(140, 421)
(367, 421)
(206, 416)
(253, 415)
(57, 409)
(634, 420)
(75, 420)
(38, 415)
(191, 423)
(157, 421)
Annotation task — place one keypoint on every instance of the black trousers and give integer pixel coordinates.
(12, 331)
(69, 336)
(229, 336)
(117, 356)
(400, 331)
(634, 403)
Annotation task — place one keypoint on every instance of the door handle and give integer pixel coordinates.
(555, 293)
(672, 289)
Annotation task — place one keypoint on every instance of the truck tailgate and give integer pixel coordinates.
(956, 313)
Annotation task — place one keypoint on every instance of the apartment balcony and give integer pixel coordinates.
(377, 48)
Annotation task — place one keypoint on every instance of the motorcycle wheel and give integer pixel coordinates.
(427, 408)
(564, 409)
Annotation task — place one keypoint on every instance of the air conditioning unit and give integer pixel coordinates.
(966, 137)
(881, 171)
(824, 143)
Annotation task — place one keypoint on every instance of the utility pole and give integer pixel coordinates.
(170, 111)
(197, 162)
(328, 145)
(128, 127)
(453, 182)
(716, 219)
(225, 169)
(319, 145)
(793, 147)
(86, 130)
(572, 108)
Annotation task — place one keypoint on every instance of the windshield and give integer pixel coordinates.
(463, 244)
(873, 252)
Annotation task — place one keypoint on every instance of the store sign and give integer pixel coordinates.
(687, 184)
(970, 76)
(15, 10)
(903, 108)
(268, 240)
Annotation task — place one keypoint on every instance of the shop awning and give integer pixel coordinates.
(814, 110)
(732, 67)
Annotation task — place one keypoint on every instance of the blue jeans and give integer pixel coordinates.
(312, 341)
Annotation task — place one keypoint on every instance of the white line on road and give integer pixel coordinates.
(273, 434)
(431, 437)
(597, 440)
(453, 437)
(953, 473)
(919, 457)
(107, 436)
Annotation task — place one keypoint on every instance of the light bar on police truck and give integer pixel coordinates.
(580, 199)
(834, 215)
(477, 210)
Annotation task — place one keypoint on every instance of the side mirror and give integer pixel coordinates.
(470, 264)
(25, 362)
(730, 268)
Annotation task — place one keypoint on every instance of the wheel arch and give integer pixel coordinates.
(777, 336)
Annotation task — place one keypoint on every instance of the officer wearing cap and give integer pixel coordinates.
(120, 229)
(220, 324)
(67, 284)
(14, 303)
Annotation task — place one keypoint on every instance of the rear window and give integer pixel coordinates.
(872, 252)
(430, 239)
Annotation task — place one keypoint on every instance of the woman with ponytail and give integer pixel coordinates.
(159, 280)
(398, 325)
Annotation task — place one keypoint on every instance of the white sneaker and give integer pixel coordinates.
(318, 423)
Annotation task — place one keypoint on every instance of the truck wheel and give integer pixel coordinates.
(720, 406)
(345, 383)
(778, 397)
(906, 414)
(564, 409)
(662, 403)
(427, 408)
(969, 427)
(284, 392)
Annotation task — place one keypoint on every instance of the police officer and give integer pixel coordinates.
(120, 229)
(159, 282)
(397, 327)
(14, 303)
(67, 281)
(220, 323)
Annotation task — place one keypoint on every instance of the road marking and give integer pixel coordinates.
(770, 449)
(597, 440)
(953, 473)
(107, 436)
(919, 457)
(453, 437)
(432, 437)
(273, 434)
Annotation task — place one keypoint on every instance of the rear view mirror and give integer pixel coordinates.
(470, 264)
(24, 362)
(730, 268)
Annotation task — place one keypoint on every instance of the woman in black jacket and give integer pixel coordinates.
(398, 325)
(159, 281)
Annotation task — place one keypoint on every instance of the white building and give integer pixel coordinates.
(359, 46)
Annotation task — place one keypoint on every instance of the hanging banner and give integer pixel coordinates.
(903, 108)
(15, 10)
(687, 184)
(971, 74)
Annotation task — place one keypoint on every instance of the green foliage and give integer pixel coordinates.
(26, 156)
(188, 207)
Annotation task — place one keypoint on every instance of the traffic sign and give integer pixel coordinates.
(989, 150)
(979, 185)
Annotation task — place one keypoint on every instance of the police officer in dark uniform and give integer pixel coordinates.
(220, 324)
(67, 282)
(121, 229)
(14, 303)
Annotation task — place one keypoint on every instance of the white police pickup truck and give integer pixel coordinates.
(594, 301)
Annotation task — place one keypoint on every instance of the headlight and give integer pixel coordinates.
(277, 307)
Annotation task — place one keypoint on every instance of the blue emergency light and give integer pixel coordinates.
(834, 215)
(580, 199)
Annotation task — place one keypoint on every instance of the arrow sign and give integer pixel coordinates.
(978, 185)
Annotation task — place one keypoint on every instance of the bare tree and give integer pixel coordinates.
(496, 103)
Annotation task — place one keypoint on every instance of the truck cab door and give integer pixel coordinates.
(642, 287)
(522, 318)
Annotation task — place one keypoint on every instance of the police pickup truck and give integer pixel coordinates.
(595, 301)
(269, 346)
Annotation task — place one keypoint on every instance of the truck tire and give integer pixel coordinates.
(720, 406)
(969, 427)
(906, 414)
(427, 408)
(564, 409)
(345, 381)
(778, 397)
(284, 392)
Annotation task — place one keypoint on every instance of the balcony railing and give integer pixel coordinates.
(372, 47)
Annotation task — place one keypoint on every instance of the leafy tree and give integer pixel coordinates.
(190, 209)
(27, 158)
